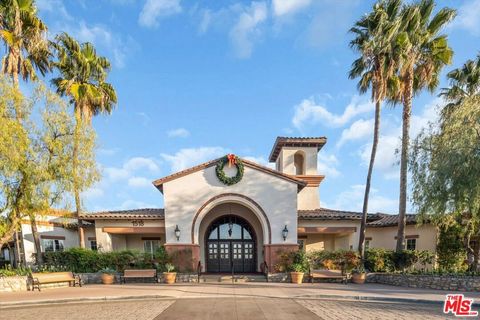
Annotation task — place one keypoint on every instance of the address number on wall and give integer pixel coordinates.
(137, 223)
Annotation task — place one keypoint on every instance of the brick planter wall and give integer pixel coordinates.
(444, 282)
(12, 284)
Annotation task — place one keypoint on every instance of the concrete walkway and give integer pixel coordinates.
(247, 290)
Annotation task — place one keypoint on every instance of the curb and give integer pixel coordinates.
(14, 304)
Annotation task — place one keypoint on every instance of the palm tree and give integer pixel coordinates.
(24, 36)
(422, 53)
(464, 83)
(375, 68)
(82, 76)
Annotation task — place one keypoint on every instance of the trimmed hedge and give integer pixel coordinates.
(85, 260)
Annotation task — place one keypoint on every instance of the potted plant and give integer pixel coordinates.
(297, 271)
(108, 275)
(169, 275)
(298, 267)
(359, 275)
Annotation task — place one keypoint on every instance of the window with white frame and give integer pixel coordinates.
(52, 245)
(150, 246)
(411, 244)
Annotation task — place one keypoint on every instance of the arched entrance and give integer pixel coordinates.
(230, 241)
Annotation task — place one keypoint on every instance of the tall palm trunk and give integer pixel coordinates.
(76, 186)
(363, 226)
(407, 112)
(36, 240)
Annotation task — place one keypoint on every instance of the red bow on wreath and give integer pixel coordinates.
(232, 161)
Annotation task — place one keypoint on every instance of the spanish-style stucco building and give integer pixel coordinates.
(246, 223)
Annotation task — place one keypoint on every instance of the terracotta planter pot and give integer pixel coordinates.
(108, 278)
(297, 277)
(359, 278)
(170, 277)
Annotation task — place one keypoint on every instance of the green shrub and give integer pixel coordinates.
(379, 260)
(8, 271)
(340, 259)
(451, 250)
(300, 262)
(84, 260)
(404, 259)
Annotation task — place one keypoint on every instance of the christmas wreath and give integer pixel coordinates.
(232, 160)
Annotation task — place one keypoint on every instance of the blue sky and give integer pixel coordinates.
(199, 79)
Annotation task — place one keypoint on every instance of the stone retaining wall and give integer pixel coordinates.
(444, 282)
(12, 284)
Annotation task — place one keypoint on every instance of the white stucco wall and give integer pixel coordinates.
(109, 242)
(287, 156)
(331, 241)
(71, 235)
(184, 196)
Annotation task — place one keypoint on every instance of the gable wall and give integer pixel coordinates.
(184, 196)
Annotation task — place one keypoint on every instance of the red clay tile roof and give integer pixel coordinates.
(280, 142)
(159, 182)
(388, 220)
(329, 214)
(147, 214)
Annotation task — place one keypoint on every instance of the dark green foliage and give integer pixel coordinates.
(334, 260)
(404, 259)
(221, 174)
(296, 261)
(381, 260)
(451, 251)
(85, 260)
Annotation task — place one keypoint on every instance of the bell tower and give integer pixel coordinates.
(298, 157)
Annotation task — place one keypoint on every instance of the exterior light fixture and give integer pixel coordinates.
(177, 232)
(285, 233)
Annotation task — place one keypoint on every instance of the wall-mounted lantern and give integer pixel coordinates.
(177, 232)
(285, 233)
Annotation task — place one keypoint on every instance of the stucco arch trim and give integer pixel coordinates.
(232, 198)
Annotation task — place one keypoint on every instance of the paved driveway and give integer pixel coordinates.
(227, 308)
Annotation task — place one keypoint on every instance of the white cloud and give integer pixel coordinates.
(247, 28)
(327, 165)
(352, 199)
(116, 174)
(387, 158)
(468, 17)
(153, 10)
(358, 130)
(190, 157)
(108, 151)
(139, 182)
(130, 167)
(101, 36)
(92, 193)
(284, 7)
(178, 133)
(53, 6)
(311, 112)
(138, 163)
(205, 21)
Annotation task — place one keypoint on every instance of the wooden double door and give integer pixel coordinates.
(222, 255)
(230, 243)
